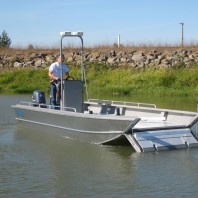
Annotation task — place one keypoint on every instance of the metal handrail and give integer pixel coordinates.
(123, 103)
(47, 106)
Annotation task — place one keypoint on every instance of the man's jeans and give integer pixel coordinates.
(53, 94)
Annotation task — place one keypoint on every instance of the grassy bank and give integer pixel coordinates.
(109, 79)
(162, 81)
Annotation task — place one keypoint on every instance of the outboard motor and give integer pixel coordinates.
(38, 97)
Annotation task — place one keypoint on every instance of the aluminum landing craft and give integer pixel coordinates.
(143, 126)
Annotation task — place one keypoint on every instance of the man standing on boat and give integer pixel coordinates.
(55, 79)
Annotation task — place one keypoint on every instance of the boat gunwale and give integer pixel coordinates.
(121, 117)
(150, 109)
(75, 114)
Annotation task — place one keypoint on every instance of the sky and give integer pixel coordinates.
(39, 22)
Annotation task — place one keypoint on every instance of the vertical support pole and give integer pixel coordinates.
(62, 92)
(197, 106)
(70, 34)
(118, 40)
(82, 59)
(182, 35)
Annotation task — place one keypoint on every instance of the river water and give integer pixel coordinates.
(37, 165)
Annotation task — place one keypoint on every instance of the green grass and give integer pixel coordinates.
(164, 81)
(109, 80)
(23, 81)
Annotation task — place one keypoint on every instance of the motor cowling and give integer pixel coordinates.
(38, 97)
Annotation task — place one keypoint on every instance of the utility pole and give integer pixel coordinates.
(182, 39)
(118, 40)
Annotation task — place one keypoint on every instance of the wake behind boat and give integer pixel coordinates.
(143, 126)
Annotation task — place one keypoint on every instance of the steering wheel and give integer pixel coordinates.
(69, 78)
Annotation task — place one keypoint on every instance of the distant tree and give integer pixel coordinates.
(5, 40)
(30, 46)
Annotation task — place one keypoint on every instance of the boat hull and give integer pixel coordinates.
(78, 126)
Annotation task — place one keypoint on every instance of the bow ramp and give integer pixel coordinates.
(161, 139)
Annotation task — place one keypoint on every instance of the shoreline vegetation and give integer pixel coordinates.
(107, 78)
